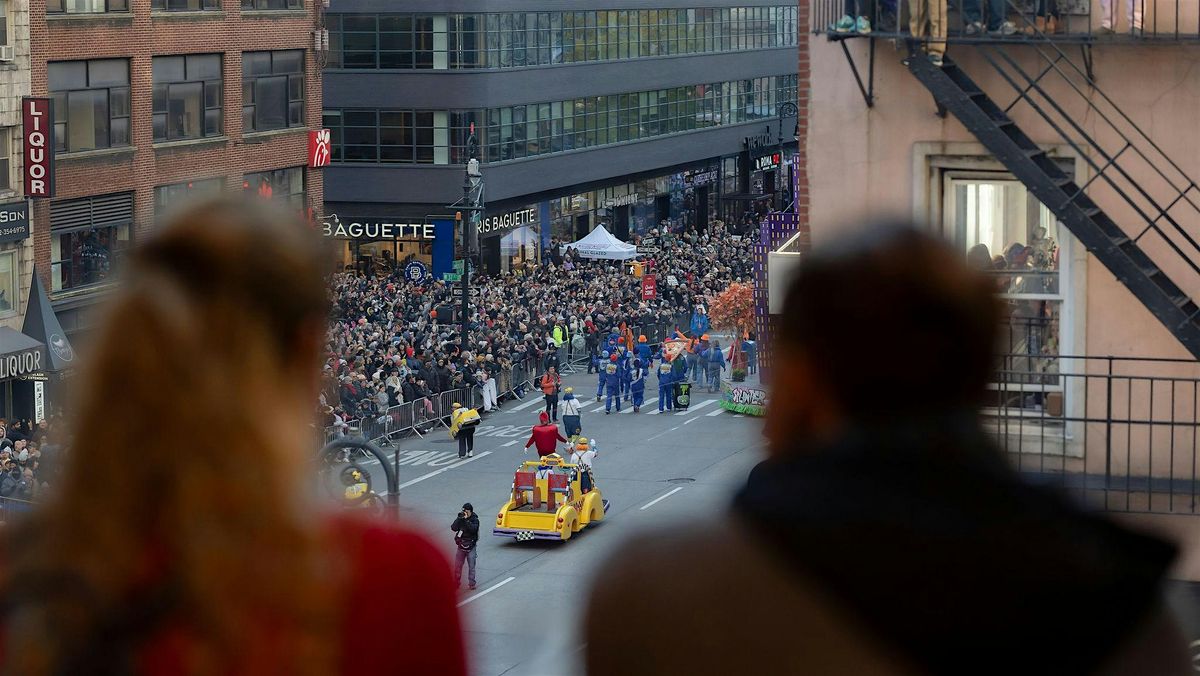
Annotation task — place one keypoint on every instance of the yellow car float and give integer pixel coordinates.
(550, 500)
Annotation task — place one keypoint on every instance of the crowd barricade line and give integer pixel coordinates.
(14, 507)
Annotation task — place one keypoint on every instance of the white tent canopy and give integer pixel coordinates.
(600, 243)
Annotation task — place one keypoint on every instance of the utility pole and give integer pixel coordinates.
(472, 203)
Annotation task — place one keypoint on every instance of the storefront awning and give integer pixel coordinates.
(42, 325)
(20, 355)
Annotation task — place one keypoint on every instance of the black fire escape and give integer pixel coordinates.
(1144, 233)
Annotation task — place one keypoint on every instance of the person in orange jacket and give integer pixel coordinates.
(550, 384)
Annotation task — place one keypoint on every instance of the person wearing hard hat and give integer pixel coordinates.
(569, 409)
(463, 422)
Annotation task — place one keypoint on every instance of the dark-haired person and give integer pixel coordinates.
(176, 562)
(885, 532)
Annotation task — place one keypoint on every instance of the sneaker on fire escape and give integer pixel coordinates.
(1004, 30)
(863, 25)
(844, 24)
(936, 59)
(974, 28)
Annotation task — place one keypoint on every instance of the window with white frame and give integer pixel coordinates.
(6, 134)
(1006, 232)
(8, 283)
(4, 22)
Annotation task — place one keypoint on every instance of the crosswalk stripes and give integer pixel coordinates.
(532, 402)
(699, 405)
(719, 411)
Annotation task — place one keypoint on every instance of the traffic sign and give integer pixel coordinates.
(648, 249)
(452, 277)
(459, 266)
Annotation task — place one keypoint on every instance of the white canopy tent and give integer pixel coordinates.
(600, 243)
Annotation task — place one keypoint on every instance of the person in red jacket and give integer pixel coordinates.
(544, 435)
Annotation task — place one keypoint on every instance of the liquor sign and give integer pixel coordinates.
(37, 131)
(319, 149)
(649, 288)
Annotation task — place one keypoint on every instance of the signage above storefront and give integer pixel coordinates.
(21, 364)
(364, 229)
(699, 178)
(319, 149)
(767, 162)
(622, 201)
(37, 119)
(492, 225)
(14, 221)
(757, 141)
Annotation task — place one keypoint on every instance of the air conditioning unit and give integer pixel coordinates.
(7, 53)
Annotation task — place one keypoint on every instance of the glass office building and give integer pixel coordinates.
(597, 116)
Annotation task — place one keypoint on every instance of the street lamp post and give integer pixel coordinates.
(786, 109)
(472, 203)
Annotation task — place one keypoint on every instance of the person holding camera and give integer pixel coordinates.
(466, 537)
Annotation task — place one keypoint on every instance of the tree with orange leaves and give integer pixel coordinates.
(733, 310)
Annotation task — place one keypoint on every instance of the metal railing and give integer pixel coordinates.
(1120, 433)
(1074, 21)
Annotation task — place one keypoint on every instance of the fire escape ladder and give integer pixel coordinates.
(1153, 207)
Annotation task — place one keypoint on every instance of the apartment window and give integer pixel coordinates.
(284, 185)
(88, 239)
(272, 4)
(91, 104)
(3, 22)
(185, 5)
(6, 158)
(86, 6)
(167, 197)
(272, 90)
(8, 282)
(187, 96)
(1006, 232)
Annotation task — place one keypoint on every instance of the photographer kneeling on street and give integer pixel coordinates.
(466, 528)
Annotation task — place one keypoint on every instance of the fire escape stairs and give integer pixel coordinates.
(956, 93)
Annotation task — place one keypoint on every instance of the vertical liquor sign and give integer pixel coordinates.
(37, 131)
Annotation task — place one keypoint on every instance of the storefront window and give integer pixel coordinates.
(88, 239)
(167, 196)
(519, 249)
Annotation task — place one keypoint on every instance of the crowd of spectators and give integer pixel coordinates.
(27, 450)
(386, 345)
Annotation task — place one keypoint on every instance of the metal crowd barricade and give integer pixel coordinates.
(11, 508)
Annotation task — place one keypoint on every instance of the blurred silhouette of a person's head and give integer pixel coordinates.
(888, 325)
(181, 494)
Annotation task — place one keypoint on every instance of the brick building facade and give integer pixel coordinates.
(125, 150)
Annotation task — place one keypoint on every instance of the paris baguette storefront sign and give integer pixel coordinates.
(494, 225)
(375, 230)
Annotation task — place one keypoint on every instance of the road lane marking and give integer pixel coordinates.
(660, 498)
(691, 421)
(532, 402)
(444, 469)
(648, 402)
(514, 441)
(662, 433)
(719, 411)
(699, 405)
(485, 591)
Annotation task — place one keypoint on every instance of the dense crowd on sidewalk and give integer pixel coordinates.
(386, 345)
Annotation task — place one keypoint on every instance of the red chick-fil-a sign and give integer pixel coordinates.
(649, 288)
(319, 149)
(37, 120)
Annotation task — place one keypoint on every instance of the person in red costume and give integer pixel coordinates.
(544, 435)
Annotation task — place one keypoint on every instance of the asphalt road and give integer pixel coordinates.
(523, 619)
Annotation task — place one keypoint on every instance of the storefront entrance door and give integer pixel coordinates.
(582, 226)
(702, 207)
(621, 223)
